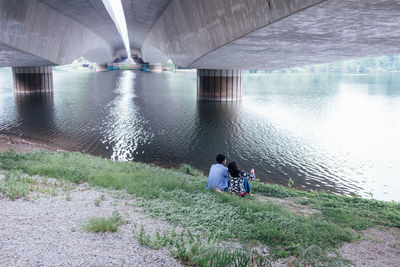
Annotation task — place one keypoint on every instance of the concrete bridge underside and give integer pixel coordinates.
(35, 34)
(273, 34)
(332, 31)
(207, 34)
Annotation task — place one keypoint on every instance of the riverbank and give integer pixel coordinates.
(271, 225)
(22, 145)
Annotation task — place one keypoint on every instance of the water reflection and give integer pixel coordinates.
(81, 103)
(217, 126)
(340, 140)
(124, 128)
(35, 115)
(8, 114)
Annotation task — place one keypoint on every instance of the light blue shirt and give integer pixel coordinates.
(218, 177)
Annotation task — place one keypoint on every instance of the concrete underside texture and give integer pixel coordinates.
(140, 17)
(18, 58)
(36, 30)
(92, 14)
(32, 79)
(189, 29)
(219, 85)
(331, 31)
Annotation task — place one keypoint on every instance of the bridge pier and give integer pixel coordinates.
(219, 85)
(101, 67)
(155, 67)
(33, 79)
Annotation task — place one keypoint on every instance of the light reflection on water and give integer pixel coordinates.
(123, 129)
(337, 132)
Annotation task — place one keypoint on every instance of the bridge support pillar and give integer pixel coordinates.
(101, 67)
(155, 67)
(33, 79)
(219, 85)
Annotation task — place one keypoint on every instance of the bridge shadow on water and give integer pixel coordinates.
(35, 113)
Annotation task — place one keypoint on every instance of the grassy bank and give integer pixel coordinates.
(178, 196)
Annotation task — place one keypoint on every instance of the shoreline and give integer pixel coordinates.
(20, 144)
(23, 145)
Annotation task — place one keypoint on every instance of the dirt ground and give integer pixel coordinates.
(290, 203)
(380, 247)
(21, 145)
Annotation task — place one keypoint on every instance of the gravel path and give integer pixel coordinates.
(381, 247)
(48, 232)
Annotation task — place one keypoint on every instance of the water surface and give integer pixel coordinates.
(335, 132)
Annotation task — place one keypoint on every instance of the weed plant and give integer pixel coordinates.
(15, 185)
(195, 250)
(101, 225)
(98, 200)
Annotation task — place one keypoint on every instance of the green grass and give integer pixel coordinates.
(194, 250)
(178, 196)
(187, 169)
(15, 185)
(101, 225)
(354, 212)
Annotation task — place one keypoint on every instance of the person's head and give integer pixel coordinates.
(221, 159)
(233, 169)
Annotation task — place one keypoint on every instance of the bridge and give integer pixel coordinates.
(218, 37)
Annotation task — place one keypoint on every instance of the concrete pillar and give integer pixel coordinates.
(33, 79)
(155, 67)
(101, 67)
(219, 85)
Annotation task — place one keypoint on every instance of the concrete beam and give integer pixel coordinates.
(190, 29)
(41, 36)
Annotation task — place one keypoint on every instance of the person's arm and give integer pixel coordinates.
(252, 175)
(249, 175)
(226, 177)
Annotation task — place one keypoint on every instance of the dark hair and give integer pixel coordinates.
(220, 158)
(233, 169)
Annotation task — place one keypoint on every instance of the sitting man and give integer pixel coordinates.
(218, 177)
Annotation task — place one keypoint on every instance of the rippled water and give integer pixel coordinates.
(337, 132)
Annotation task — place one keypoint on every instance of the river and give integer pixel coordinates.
(334, 132)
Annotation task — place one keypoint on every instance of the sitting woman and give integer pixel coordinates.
(238, 180)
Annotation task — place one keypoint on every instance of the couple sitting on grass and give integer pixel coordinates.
(231, 179)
